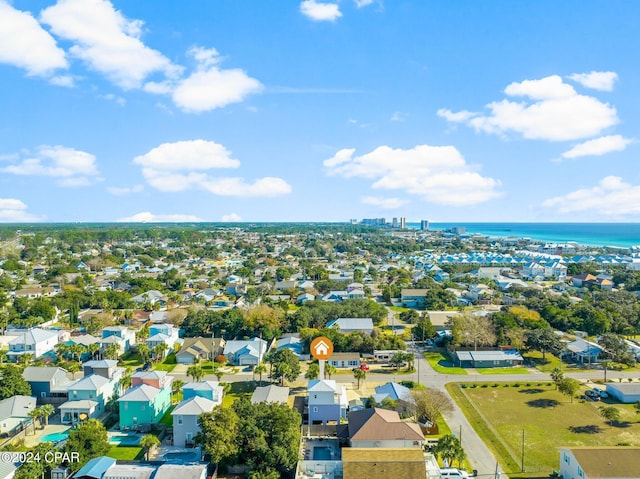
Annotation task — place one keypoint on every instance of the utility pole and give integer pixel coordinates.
(522, 451)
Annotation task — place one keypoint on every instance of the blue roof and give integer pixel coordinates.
(96, 467)
(395, 391)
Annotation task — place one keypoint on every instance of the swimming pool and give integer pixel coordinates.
(321, 453)
(125, 440)
(56, 436)
(182, 456)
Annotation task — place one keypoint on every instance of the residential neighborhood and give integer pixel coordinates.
(160, 344)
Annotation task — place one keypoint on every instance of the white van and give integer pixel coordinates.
(453, 473)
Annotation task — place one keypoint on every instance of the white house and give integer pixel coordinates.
(245, 353)
(349, 325)
(35, 341)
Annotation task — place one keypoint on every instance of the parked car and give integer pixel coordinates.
(592, 395)
(453, 473)
(601, 392)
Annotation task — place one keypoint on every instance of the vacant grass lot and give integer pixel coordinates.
(442, 364)
(168, 364)
(124, 453)
(514, 370)
(500, 412)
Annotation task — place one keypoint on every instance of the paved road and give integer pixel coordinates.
(478, 454)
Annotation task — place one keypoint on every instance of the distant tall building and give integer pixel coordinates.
(374, 221)
(394, 223)
(403, 223)
(424, 225)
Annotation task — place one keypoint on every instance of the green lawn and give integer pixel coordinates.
(168, 364)
(515, 370)
(501, 412)
(131, 360)
(167, 419)
(127, 453)
(238, 389)
(548, 364)
(442, 364)
(399, 309)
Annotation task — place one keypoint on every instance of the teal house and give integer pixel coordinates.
(143, 404)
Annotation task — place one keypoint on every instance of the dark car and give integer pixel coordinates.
(592, 395)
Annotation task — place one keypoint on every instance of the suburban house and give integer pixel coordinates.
(152, 297)
(349, 325)
(381, 463)
(199, 349)
(126, 334)
(271, 393)
(185, 419)
(488, 359)
(87, 398)
(345, 360)
(104, 467)
(304, 297)
(396, 392)
(381, 428)
(14, 413)
(35, 341)
(47, 382)
(583, 351)
(162, 333)
(107, 368)
(599, 462)
(580, 280)
(294, 343)
(413, 298)
(113, 339)
(245, 353)
(206, 389)
(142, 405)
(326, 401)
(157, 379)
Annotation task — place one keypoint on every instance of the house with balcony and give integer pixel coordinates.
(87, 398)
(143, 405)
(326, 401)
(185, 419)
(48, 384)
(128, 336)
(35, 341)
(210, 390)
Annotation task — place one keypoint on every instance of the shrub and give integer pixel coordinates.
(494, 385)
(463, 386)
(516, 385)
(485, 385)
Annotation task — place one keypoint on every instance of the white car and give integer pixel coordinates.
(453, 473)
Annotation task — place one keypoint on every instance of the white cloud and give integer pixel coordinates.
(384, 203)
(599, 146)
(148, 217)
(107, 41)
(15, 211)
(438, 174)
(231, 218)
(362, 3)
(319, 11)
(187, 155)
(552, 110)
(611, 197)
(115, 98)
(72, 167)
(214, 88)
(597, 80)
(25, 44)
(209, 87)
(399, 116)
(124, 190)
(183, 165)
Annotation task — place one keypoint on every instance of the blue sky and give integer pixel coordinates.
(228, 110)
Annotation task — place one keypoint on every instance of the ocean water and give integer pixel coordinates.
(591, 234)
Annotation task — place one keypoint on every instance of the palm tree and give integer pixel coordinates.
(143, 351)
(329, 369)
(93, 349)
(112, 351)
(176, 386)
(125, 382)
(218, 373)
(26, 359)
(148, 442)
(159, 350)
(35, 414)
(260, 369)
(196, 372)
(359, 374)
(556, 376)
(46, 410)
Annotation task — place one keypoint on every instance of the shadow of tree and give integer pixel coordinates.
(542, 403)
(621, 424)
(531, 391)
(589, 429)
